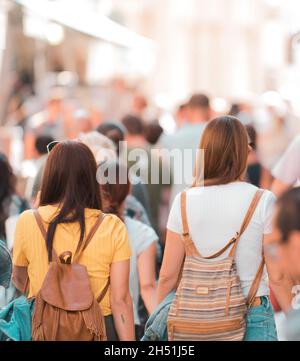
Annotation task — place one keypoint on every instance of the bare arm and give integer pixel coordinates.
(120, 299)
(279, 187)
(265, 179)
(280, 282)
(146, 270)
(171, 267)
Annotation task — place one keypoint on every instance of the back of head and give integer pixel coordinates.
(115, 132)
(199, 108)
(100, 145)
(114, 190)
(199, 101)
(225, 145)
(152, 132)
(41, 143)
(69, 181)
(133, 124)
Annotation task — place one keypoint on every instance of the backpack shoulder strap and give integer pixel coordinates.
(190, 248)
(247, 220)
(81, 248)
(41, 226)
(104, 291)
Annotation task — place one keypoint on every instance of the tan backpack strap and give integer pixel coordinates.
(190, 248)
(247, 219)
(40, 224)
(104, 291)
(81, 248)
(255, 284)
(224, 249)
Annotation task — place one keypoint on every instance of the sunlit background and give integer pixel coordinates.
(234, 50)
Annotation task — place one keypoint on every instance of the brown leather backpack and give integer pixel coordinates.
(65, 307)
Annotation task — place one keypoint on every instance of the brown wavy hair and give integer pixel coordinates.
(225, 144)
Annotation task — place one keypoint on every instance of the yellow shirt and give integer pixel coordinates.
(109, 244)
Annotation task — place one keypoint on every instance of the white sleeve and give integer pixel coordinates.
(147, 236)
(268, 205)
(174, 221)
(287, 169)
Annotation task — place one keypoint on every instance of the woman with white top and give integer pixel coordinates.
(215, 213)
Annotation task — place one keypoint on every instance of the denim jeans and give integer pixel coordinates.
(261, 322)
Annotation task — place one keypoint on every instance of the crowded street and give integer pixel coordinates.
(149, 172)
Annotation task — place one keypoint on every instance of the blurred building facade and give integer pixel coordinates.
(228, 48)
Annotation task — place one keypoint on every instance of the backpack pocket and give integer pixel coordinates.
(207, 330)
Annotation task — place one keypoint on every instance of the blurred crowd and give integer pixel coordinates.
(130, 121)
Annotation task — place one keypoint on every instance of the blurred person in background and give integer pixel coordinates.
(285, 249)
(287, 170)
(139, 105)
(273, 141)
(153, 132)
(100, 145)
(11, 203)
(11, 206)
(115, 132)
(181, 115)
(242, 111)
(82, 122)
(257, 174)
(53, 121)
(187, 138)
(135, 139)
(38, 163)
(143, 241)
(134, 206)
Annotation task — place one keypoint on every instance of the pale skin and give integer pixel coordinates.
(279, 187)
(173, 259)
(120, 300)
(146, 272)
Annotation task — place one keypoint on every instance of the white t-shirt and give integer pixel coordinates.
(214, 216)
(141, 236)
(288, 168)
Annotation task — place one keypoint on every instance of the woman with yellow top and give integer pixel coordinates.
(69, 206)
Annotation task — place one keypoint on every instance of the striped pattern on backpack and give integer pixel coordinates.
(209, 304)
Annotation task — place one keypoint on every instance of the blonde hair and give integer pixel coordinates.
(101, 146)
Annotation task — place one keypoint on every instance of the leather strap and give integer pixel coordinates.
(255, 284)
(40, 224)
(247, 220)
(190, 248)
(89, 237)
(104, 291)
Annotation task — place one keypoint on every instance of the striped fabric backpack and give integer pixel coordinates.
(209, 304)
